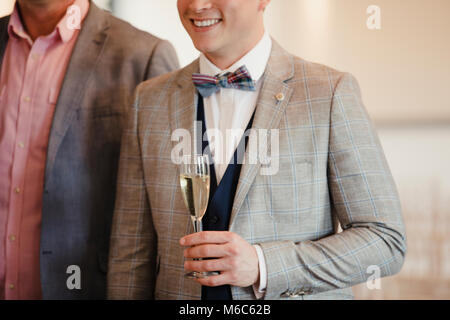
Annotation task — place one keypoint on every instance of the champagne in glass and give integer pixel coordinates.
(195, 189)
(195, 184)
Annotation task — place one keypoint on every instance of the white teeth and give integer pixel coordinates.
(206, 23)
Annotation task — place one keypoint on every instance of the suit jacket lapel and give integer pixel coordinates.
(182, 106)
(3, 37)
(84, 59)
(269, 111)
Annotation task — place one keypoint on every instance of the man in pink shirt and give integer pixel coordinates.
(67, 74)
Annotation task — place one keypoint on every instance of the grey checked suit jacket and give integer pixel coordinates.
(332, 170)
(109, 60)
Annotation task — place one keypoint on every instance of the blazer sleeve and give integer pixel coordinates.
(132, 255)
(163, 60)
(363, 198)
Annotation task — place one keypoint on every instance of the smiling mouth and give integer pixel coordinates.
(205, 23)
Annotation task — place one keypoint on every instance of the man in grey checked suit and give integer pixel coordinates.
(282, 239)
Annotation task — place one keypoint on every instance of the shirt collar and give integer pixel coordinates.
(65, 28)
(15, 26)
(255, 60)
(68, 24)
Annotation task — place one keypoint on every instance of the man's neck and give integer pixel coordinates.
(40, 17)
(224, 60)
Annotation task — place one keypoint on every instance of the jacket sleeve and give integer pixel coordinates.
(132, 255)
(363, 198)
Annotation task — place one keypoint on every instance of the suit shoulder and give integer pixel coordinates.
(316, 71)
(322, 81)
(127, 36)
(126, 28)
(160, 85)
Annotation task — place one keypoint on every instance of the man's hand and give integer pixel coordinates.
(236, 259)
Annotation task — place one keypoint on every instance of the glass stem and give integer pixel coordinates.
(197, 228)
(197, 224)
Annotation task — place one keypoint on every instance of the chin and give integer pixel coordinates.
(204, 47)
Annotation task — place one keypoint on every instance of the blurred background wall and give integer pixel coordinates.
(404, 72)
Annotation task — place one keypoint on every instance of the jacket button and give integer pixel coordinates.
(280, 97)
(308, 291)
(214, 219)
(296, 293)
(289, 294)
(299, 293)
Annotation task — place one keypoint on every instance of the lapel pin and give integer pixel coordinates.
(280, 97)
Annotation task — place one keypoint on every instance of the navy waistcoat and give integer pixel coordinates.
(221, 198)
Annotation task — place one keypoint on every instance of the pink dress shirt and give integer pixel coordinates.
(31, 77)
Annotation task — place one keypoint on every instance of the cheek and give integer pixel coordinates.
(241, 16)
(182, 7)
(239, 24)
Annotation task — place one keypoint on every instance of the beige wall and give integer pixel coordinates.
(6, 7)
(403, 69)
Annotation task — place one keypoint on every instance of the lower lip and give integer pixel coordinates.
(205, 29)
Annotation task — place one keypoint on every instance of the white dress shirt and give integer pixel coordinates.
(227, 114)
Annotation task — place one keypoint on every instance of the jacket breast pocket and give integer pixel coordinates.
(99, 112)
(105, 112)
(101, 125)
(289, 191)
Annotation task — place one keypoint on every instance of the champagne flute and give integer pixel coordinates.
(195, 185)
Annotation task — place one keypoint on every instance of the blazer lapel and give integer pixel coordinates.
(3, 37)
(182, 106)
(273, 99)
(85, 57)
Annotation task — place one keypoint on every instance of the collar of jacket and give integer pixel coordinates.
(85, 56)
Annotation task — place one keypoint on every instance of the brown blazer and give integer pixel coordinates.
(109, 60)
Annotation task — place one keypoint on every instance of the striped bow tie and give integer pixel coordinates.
(207, 85)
